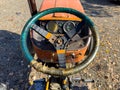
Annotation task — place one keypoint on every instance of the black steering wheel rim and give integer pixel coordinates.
(51, 71)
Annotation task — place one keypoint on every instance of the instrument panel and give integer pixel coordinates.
(58, 27)
(69, 29)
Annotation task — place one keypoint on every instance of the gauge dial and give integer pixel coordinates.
(68, 26)
(52, 26)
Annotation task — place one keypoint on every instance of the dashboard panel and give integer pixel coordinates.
(69, 29)
(58, 26)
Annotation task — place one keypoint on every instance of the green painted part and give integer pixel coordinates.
(33, 19)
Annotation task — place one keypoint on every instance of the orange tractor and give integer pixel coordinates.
(63, 39)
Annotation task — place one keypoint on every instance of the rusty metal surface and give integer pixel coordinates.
(33, 7)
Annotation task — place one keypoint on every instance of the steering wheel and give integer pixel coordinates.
(52, 38)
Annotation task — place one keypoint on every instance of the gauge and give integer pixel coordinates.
(68, 26)
(52, 26)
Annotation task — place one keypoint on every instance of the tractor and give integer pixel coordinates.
(59, 40)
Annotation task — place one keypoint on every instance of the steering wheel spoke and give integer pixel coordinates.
(61, 58)
(47, 35)
(78, 40)
(71, 33)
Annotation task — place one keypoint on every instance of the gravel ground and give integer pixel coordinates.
(105, 69)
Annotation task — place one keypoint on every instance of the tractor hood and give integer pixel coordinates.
(74, 4)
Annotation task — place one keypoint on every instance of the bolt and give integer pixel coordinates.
(73, 55)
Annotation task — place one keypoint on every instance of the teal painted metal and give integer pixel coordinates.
(32, 20)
